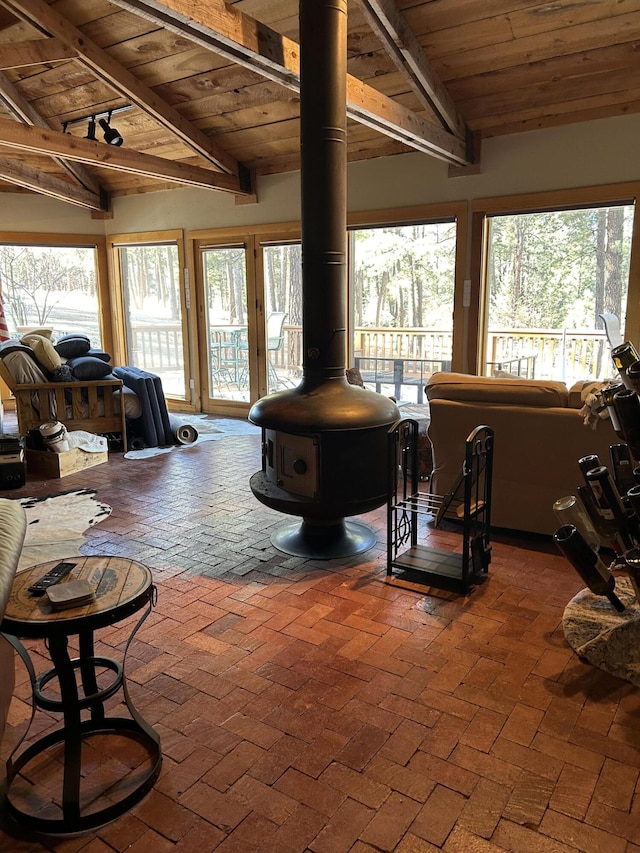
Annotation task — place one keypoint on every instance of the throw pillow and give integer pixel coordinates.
(71, 346)
(504, 374)
(44, 333)
(98, 353)
(88, 368)
(44, 351)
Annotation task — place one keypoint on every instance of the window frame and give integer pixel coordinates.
(552, 200)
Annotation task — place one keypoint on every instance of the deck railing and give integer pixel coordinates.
(540, 353)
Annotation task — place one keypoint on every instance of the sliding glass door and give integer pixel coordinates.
(250, 319)
(282, 265)
(225, 322)
(154, 307)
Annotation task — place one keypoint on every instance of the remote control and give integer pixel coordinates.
(54, 575)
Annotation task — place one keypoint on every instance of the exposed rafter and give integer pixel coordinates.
(24, 176)
(54, 143)
(407, 54)
(23, 111)
(215, 25)
(48, 21)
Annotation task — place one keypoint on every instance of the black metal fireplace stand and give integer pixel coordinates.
(409, 510)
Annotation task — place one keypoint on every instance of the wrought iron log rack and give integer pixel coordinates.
(468, 502)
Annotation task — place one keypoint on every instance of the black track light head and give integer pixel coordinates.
(111, 135)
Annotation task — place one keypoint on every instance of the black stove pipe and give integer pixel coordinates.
(323, 142)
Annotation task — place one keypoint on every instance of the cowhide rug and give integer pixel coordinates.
(56, 524)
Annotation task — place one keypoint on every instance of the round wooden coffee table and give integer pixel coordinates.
(122, 587)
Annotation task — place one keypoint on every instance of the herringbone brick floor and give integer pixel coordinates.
(313, 706)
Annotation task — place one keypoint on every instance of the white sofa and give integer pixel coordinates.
(13, 526)
(539, 437)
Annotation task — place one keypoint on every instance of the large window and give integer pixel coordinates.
(549, 276)
(402, 291)
(51, 286)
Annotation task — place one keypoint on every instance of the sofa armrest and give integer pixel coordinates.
(13, 526)
(535, 461)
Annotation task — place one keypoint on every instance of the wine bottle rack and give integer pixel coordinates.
(468, 502)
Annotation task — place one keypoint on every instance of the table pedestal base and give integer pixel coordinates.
(73, 819)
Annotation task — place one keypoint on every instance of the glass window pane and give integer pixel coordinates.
(283, 316)
(151, 284)
(50, 286)
(402, 286)
(549, 276)
(225, 293)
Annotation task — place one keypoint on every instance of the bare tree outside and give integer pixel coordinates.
(50, 286)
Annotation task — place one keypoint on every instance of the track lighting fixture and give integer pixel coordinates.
(111, 135)
(91, 129)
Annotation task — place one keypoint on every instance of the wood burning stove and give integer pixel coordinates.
(324, 442)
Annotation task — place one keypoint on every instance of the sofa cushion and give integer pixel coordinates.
(44, 350)
(516, 391)
(73, 345)
(87, 368)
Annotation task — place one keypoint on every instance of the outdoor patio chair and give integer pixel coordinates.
(275, 341)
(612, 329)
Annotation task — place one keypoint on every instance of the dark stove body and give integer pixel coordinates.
(322, 451)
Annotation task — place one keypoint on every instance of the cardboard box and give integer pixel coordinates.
(48, 464)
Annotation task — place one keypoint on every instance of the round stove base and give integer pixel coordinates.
(323, 541)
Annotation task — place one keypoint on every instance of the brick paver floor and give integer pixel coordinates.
(311, 705)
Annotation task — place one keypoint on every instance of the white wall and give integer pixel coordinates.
(586, 154)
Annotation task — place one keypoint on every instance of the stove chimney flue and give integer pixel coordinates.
(323, 143)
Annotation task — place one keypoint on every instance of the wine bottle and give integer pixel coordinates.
(605, 529)
(633, 520)
(610, 504)
(569, 510)
(587, 563)
(623, 357)
(627, 404)
(622, 467)
(633, 372)
(632, 567)
(607, 397)
(586, 463)
(633, 496)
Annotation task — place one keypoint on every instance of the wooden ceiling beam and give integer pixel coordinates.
(54, 143)
(48, 21)
(43, 51)
(408, 56)
(25, 112)
(24, 176)
(219, 27)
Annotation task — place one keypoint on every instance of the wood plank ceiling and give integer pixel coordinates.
(206, 93)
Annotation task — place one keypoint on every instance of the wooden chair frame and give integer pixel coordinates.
(40, 402)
